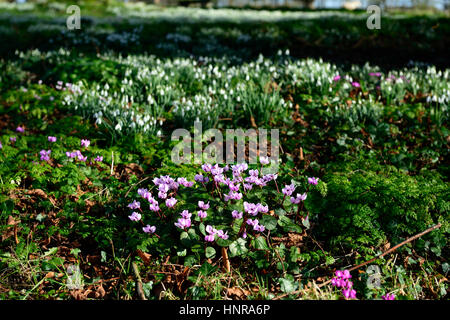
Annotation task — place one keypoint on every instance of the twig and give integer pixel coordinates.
(112, 162)
(139, 286)
(437, 226)
(226, 261)
(134, 185)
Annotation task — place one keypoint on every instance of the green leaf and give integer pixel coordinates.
(210, 252)
(207, 269)
(288, 225)
(238, 247)
(269, 222)
(287, 285)
(202, 228)
(260, 243)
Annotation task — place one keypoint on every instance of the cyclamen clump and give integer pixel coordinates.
(85, 143)
(388, 296)
(229, 189)
(342, 280)
(76, 154)
(45, 155)
(313, 181)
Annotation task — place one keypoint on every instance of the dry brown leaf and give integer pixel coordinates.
(37, 192)
(238, 292)
(144, 256)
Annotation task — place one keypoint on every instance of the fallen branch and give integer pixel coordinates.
(226, 261)
(437, 226)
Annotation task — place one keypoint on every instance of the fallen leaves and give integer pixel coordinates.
(238, 293)
(11, 230)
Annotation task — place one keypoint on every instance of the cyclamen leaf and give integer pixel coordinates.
(238, 247)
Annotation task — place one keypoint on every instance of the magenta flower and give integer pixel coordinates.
(209, 238)
(170, 203)
(203, 206)
(388, 296)
(264, 160)
(336, 78)
(135, 216)
(149, 229)
(1, 146)
(200, 178)
(356, 84)
(259, 228)
(349, 293)
(288, 190)
(20, 129)
(300, 197)
(85, 143)
(313, 181)
(98, 159)
(13, 139)
(183, 223)
(134, 205)
(154, 207)
(45, 155)
(186, 214)
(236, 214)
(202, 214)
(233, 196)
(184, 182)
(206, 167)
(250, 208)
(222, 235)
(375, 74)
(51, 139)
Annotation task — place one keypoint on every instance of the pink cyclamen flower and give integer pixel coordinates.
(98, 159)
(349, 293)
(375, 74)
(264, 160)
(300, 197)
(171, 202)
(1, 146)
(45, 155)
(186, 214)
(20, 129)
(202, 214)
(183, 223)
(259, 228)
(135, 216)
(313, 180)
(154, 207)
(51, 139)
(236, 214)
(356, 84)
(203, 206)
(206, 167)
(288, 190)
(336, 78)
(222, 235)
(13, 139)
(134, 205)
(149, 229)
(85, 143)
(388, 296)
